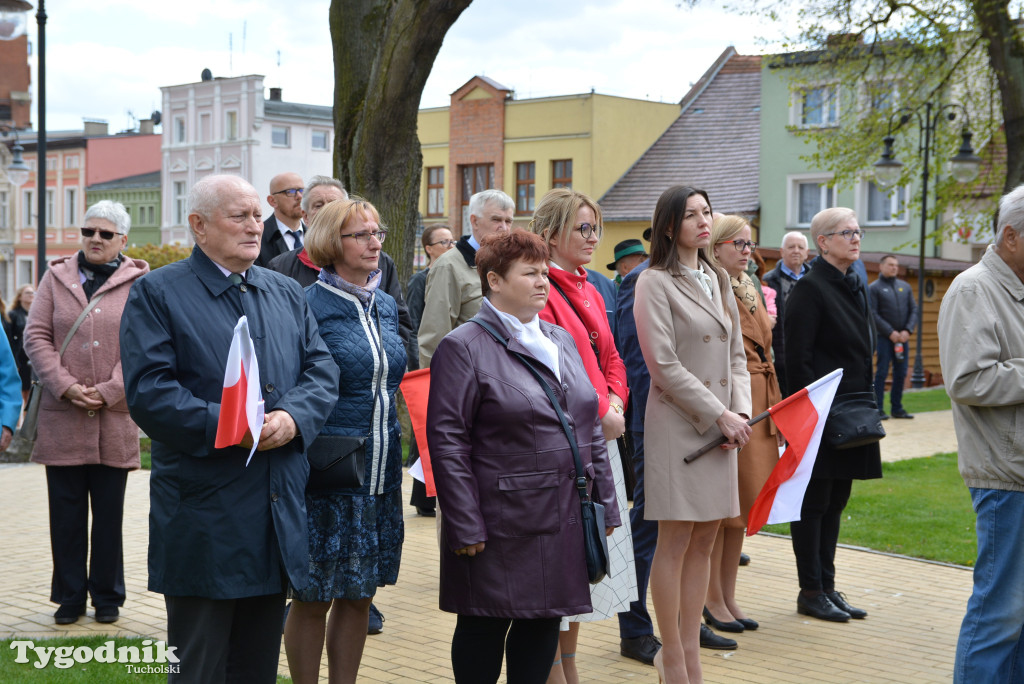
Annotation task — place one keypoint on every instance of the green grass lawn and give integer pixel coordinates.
(919, 508)
(922, 401)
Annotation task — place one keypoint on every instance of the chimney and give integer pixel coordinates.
(94, 127)
(275, 94)
(146, 127)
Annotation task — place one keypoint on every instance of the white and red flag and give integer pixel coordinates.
(241, 402)
(800, 418)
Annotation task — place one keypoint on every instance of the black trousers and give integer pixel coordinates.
(816, 533)
(529, 647)
(419, 497)
(70, 490)
(225, 640)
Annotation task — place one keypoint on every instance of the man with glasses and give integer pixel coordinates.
(283, 231)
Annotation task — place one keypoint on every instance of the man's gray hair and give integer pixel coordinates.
(206, 195)
(478, 201)
(1011, 212)
(113, 212)
(794, 234)
(317, 181)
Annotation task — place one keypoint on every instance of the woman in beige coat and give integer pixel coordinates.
(689, 330)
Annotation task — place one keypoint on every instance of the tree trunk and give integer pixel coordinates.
(383, 54)
(1006, 57)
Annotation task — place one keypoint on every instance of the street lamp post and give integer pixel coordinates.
(17, 170)
(964, 168)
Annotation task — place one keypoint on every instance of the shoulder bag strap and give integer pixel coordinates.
(78, 321)
(581, 480)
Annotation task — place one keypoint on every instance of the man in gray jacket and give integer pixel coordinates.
(981, 346)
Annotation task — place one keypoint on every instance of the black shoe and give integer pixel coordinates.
(426, 512)
(882, 415)
(748, 624)
(744, 559)
(642, 648)
(376, 622)
(67, 615)
(709, 639)
(820, 607)
(731, 626)
(902, 414)
(839, 599)
(107, 614)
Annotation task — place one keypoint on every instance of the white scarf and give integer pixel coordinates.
(529, 335)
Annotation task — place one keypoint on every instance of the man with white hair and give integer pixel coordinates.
(228, 532)
(453, 292)
(981, 347)
(782, 278)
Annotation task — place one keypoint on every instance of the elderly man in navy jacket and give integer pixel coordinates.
(226, 537)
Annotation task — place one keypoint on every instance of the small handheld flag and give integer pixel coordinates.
(241, 403)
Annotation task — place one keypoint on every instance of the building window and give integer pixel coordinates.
(231, 125)
(812, 197)
(26, 208)
(51, 202)
(561, 173)
(320, 140)
(26, 271)
(5, 210)
(71, 207)
(71, 162)
(435, 191)
(280, 136)
(51, 163)
(150, 215)
(5, 112)
(525, 187)
(180, 210)
(817, 107)
(475, 178)
(179, 129)
(886, 207)
(205, 127)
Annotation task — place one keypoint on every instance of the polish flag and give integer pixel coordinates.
(241, 402)
(415, 388)
(800, 418)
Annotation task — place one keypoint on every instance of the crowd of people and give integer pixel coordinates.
(550, 385)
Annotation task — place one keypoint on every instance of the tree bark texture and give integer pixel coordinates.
(1006, 57)
(383, 53)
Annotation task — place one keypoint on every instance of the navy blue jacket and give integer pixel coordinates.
(608, 291)
(893, 305)
(371, 356)
(637, 375)
(218, 528)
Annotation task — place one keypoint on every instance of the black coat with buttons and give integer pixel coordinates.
(828, 325)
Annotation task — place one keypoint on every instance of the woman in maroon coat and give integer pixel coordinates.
(511, 543)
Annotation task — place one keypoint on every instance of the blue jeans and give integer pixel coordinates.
(637, 622)
(990, 648)
(886, 356)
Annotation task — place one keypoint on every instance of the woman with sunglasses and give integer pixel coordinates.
(828, 325)
(355, 533)
(732, 250)
(87, 440)
(570, 223)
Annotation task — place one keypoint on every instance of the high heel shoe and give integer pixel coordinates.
(731, 626)
(659, 665)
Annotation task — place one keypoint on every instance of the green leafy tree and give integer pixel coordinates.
(383, 53)
(158, 255)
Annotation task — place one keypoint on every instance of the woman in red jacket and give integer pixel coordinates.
(570, 223)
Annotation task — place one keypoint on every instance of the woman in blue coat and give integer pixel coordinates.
(355, 535)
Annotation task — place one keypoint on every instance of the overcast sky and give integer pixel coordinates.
(106, 58)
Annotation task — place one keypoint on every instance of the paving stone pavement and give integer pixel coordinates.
(909, 636)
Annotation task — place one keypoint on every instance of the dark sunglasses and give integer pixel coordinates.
(105, 234)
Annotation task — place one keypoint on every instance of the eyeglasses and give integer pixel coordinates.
(587, 230)
(446, 243)
(740, 245)
(364, 238)
(105, 234)
(848, 234)
(291, 192)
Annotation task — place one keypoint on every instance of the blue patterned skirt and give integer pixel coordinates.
(355, 545)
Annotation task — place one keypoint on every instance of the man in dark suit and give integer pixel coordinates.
(227, 534)
(283, 230)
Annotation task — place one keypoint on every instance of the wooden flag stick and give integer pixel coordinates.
(721, 440)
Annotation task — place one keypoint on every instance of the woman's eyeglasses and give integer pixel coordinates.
(364, 238)
(587, 230)
(847, 234)
(741, 245)
(105, 234)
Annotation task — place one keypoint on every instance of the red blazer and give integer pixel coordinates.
(592, 322)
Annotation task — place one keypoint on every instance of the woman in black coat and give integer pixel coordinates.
(828, 326)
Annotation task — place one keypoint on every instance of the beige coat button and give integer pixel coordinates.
(724, 337)
(707, 338)
(723, 381)
(696, 419)
(707, 383)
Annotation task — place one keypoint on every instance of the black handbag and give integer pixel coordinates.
(853, 421)
(595, 541)
(336, 462)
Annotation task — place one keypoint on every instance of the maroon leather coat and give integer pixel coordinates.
(505, 475)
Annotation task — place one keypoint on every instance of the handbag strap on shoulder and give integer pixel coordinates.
(581, 480)
(78, 321)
